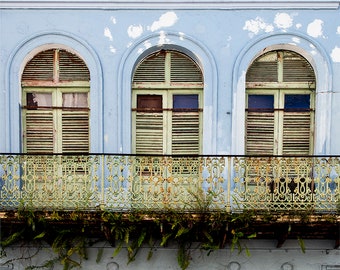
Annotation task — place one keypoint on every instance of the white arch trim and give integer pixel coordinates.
(187, 45)
(20, 57)
(316, 56)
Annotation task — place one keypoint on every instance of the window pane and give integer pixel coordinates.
(185, 101)
(297, 102)
(39, 99)
(149, 101)
(261, 102)
(75, 100)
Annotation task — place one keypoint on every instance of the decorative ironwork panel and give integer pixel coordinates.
(286, 183)
(164, 183)
(214, 173)
(326, 175)
(58, 182)
(10, 186)
(116, 182)
(169, 183)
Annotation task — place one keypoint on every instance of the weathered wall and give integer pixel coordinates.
(224, 42)
(263, 256)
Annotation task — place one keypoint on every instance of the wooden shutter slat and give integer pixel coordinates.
(149, 133)
(40, 67)
(185, 133)
(184, 69)
(75, 131)
(296, 68)
(152, 69)
(262, 72)
(260, 133)
(264, 69)
(71, 67)
(39, 131)
(296, 133)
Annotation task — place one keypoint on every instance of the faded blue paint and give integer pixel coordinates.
(223, 42)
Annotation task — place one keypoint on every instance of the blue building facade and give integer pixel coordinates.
(223, 39)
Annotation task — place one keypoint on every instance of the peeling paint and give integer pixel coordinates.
(296, 40)
(298, 25)
(338, 30)
(147, 44)
(135, 31)
(335, 55)
(314, 29)
(166, 20)
(257, 25)
(181, 35)
(162, 38)
(283, 20)
(113, 49)
(113, 20)
(107, 33)
(313, 51)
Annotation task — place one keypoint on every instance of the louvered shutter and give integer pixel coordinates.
(75, 131)
(151, 69)
(39, 131)
(260, 133)
(297, 119)
(149, 133)
(296, 133)
(185, 121)
(75, 122)
(288, 130)
(40, 67)
(56, 119)
(183, 69)
(185, 133)
(264, 69)
(296, 68)
(149, 124)
(160, 128)
(72, 68)
(260, 125)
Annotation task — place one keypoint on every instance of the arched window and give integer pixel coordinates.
(280, 98)
(55, 103)
(167, 97)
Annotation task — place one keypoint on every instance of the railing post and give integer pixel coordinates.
(228, 206)
(102, 183)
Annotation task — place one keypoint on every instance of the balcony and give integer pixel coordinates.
(124, 183)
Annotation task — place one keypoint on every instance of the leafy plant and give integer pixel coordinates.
(67, 232)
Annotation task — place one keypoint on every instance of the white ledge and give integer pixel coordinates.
(173, 4)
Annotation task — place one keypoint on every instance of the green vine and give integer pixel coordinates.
(33, 227)
(68, 232)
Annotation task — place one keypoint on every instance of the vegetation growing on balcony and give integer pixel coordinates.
(198, 202)
(70, 233)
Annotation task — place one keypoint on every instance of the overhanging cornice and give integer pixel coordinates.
(174, 4)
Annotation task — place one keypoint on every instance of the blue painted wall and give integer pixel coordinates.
(222, 41)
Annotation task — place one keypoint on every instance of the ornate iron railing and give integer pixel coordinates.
(167, 183)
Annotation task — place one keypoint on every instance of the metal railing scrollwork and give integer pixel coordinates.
(169, 183)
